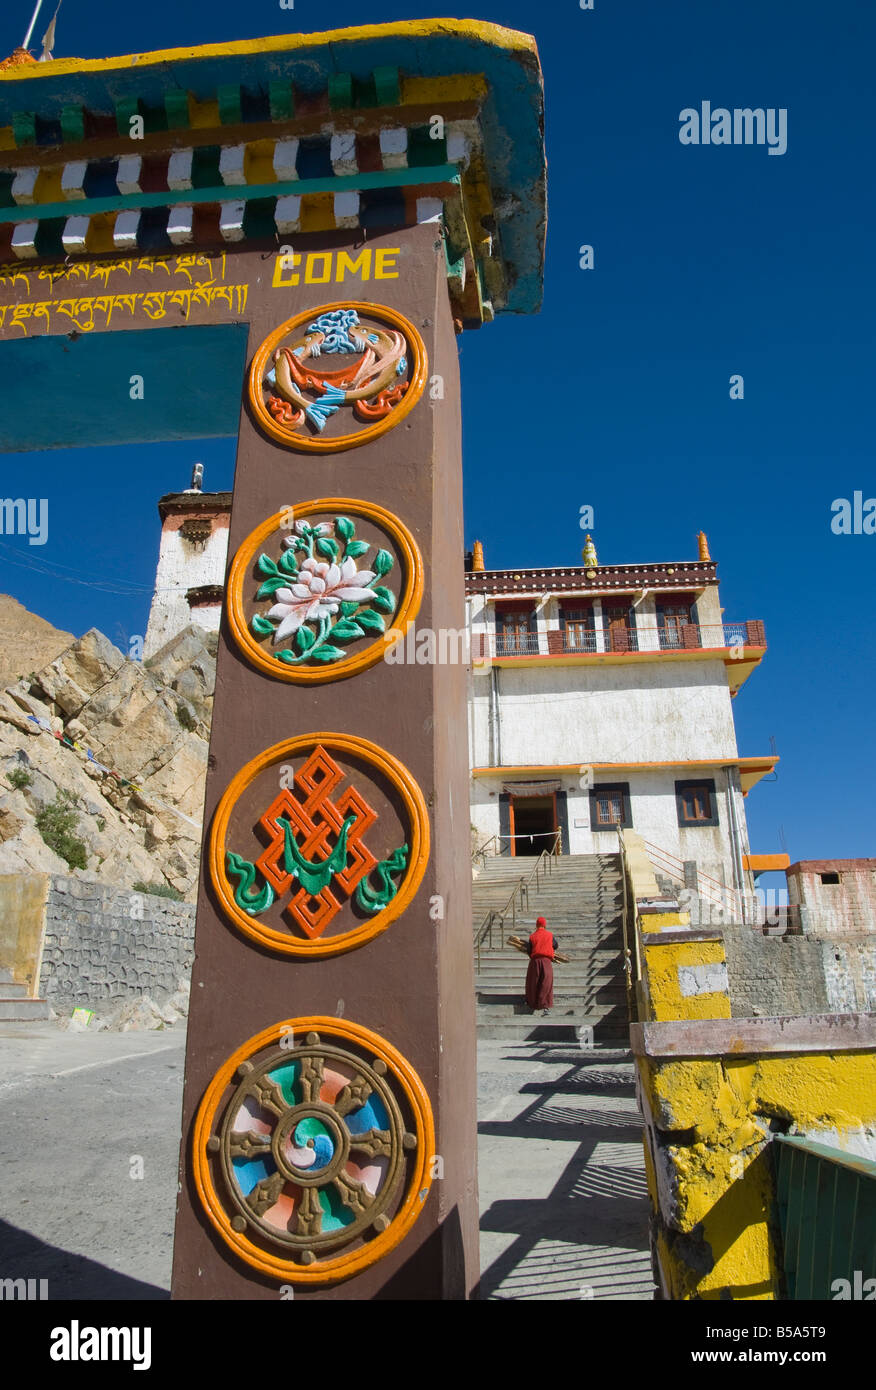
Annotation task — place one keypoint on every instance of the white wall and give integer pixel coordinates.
(654, 816)
(660, 711)
(185, 565)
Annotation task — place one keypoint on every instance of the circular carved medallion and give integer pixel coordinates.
(313, 590)
(312, 1150)
(336, 377)
(319, 844)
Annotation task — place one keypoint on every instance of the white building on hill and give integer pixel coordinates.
(604, 698)
(191, 563)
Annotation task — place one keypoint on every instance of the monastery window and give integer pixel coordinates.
(579, 629)
(610, 806)
(829, 878)
(516, 630)
(672, 618)
(696, 803)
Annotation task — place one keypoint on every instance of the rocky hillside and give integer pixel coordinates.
(120, 796)
(27, 642)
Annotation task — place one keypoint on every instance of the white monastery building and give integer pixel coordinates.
(600, 696)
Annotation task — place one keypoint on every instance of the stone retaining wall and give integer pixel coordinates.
(105, 943)
(771, 976)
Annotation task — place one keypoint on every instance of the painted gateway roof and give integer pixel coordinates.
(348, 112)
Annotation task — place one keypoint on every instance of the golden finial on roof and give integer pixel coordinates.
(588, 554)
(704, 546)
(477, 558)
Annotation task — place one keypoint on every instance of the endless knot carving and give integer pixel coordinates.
(330, 858)
(313, 821)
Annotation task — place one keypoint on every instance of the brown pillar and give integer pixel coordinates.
(285, 990)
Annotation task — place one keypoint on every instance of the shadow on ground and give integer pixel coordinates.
(69, 1276)
(588, 1238)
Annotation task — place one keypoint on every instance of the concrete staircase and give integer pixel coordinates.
(15, 1005)
(581, 900)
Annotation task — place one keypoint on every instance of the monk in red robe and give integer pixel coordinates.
(542, 947)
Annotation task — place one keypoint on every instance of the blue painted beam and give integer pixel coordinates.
(191, 375)
(90, 207)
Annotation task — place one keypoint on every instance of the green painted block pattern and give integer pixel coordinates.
(176, 106)
(125, 109)
(72, 123)
(282, 101)
(229, 104)
(24, 128)
(340, 91)
(387, 86)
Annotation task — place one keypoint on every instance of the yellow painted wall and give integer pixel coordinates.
(715, 1194)
(662, 962)
(22, 923)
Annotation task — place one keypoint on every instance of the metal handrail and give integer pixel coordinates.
(522, 887)
(481, 850)
(711, 888)
(630, 927)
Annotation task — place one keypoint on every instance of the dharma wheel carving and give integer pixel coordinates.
(313, 1150)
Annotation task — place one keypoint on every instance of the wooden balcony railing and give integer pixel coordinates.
(643, 638)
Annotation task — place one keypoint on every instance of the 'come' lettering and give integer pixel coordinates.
(321, 267)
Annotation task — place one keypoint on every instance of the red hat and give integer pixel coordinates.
(540, 922)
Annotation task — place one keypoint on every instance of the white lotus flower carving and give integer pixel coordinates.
(317, 593)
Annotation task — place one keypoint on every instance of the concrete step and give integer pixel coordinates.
(6, 977)
(571, 905)
(499, 990)
(582, 942)
(10, 990)
(502, 988)
(563, 1007)
(582, 970)
(565, 891)
(565, 1028)
(23, 1010)
(592, 966)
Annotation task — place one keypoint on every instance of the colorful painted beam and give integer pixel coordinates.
(223, 89)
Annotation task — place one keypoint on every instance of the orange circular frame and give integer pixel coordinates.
(418, 817)
(416, 381)
(408, 605)
(419, 1180)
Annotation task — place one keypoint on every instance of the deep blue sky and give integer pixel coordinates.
(709, 261)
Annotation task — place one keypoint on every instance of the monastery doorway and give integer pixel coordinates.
(533, 824)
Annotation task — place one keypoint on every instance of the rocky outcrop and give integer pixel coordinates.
(125, 783)
(27, 642)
